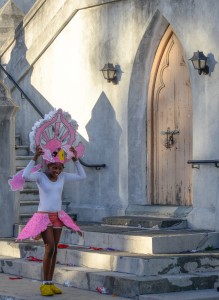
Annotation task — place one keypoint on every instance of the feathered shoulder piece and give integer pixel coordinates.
(56, 133)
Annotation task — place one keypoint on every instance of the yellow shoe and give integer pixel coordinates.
(46, 290)
(55, 289)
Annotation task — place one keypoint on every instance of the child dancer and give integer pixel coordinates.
(50, 217)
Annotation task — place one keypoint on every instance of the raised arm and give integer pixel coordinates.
(27, 173)
(80, 171)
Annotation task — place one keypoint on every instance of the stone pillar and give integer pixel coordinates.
(9, 212)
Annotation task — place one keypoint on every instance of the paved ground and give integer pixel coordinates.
(189, 295)
(26, 289)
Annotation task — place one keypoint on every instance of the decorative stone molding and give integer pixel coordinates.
(9, 206)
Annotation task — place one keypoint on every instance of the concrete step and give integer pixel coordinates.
(29, 194)
(146, 222)
(27, 289)
(29, 185)
(117, 261)
(19, 168)
(28, 207)
(22, 161)
(144, 241)
(159, 211)
(120, 284)
(24, 217)
(209, 294)
(22, 150)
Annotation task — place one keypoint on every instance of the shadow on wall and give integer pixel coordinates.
(18, 64)
(104, 134)
(211, 62)
(103, 130)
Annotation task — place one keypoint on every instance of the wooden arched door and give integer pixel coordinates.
(170, 117)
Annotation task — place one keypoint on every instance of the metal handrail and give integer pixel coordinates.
(204, 162)
(96, 166)
(20, 89)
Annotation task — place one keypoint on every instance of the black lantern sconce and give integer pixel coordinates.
(109, 72)
(199, 61)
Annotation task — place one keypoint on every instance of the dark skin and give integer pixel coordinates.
(53, 171)
(51, 236)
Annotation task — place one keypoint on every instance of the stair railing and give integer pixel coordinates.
(196, 163)
(24, 95)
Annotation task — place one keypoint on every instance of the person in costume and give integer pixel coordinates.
(51, 138)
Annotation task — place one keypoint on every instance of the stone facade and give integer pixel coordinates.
(56, 57)
(9, 205)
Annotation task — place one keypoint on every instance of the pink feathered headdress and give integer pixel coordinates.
(56, 133)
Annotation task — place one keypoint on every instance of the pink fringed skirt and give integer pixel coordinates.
(40, 221)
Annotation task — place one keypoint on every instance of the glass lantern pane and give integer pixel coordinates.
(196, 64)
(202, 64)
(105, 74)
(111, 74)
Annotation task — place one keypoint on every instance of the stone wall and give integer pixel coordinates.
(9, 212)
(23, 5)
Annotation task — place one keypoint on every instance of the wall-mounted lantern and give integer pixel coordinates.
(199, 61)
(109, 72)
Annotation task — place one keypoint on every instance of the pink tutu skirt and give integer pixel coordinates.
(39, 222)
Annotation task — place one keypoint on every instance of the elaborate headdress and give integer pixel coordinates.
(56, 134)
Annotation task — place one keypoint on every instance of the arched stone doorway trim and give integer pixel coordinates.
(137, 107)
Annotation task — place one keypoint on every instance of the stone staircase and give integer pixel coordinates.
(134, 257)
(131, 262)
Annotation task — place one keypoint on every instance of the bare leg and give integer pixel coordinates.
(56, 234)
(51, 237)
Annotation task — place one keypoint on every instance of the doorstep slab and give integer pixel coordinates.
(146, 222)
(144, 241)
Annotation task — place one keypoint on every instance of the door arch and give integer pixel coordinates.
(169, 125)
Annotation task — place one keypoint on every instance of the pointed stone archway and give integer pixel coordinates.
(137, 106)
(139, 184)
